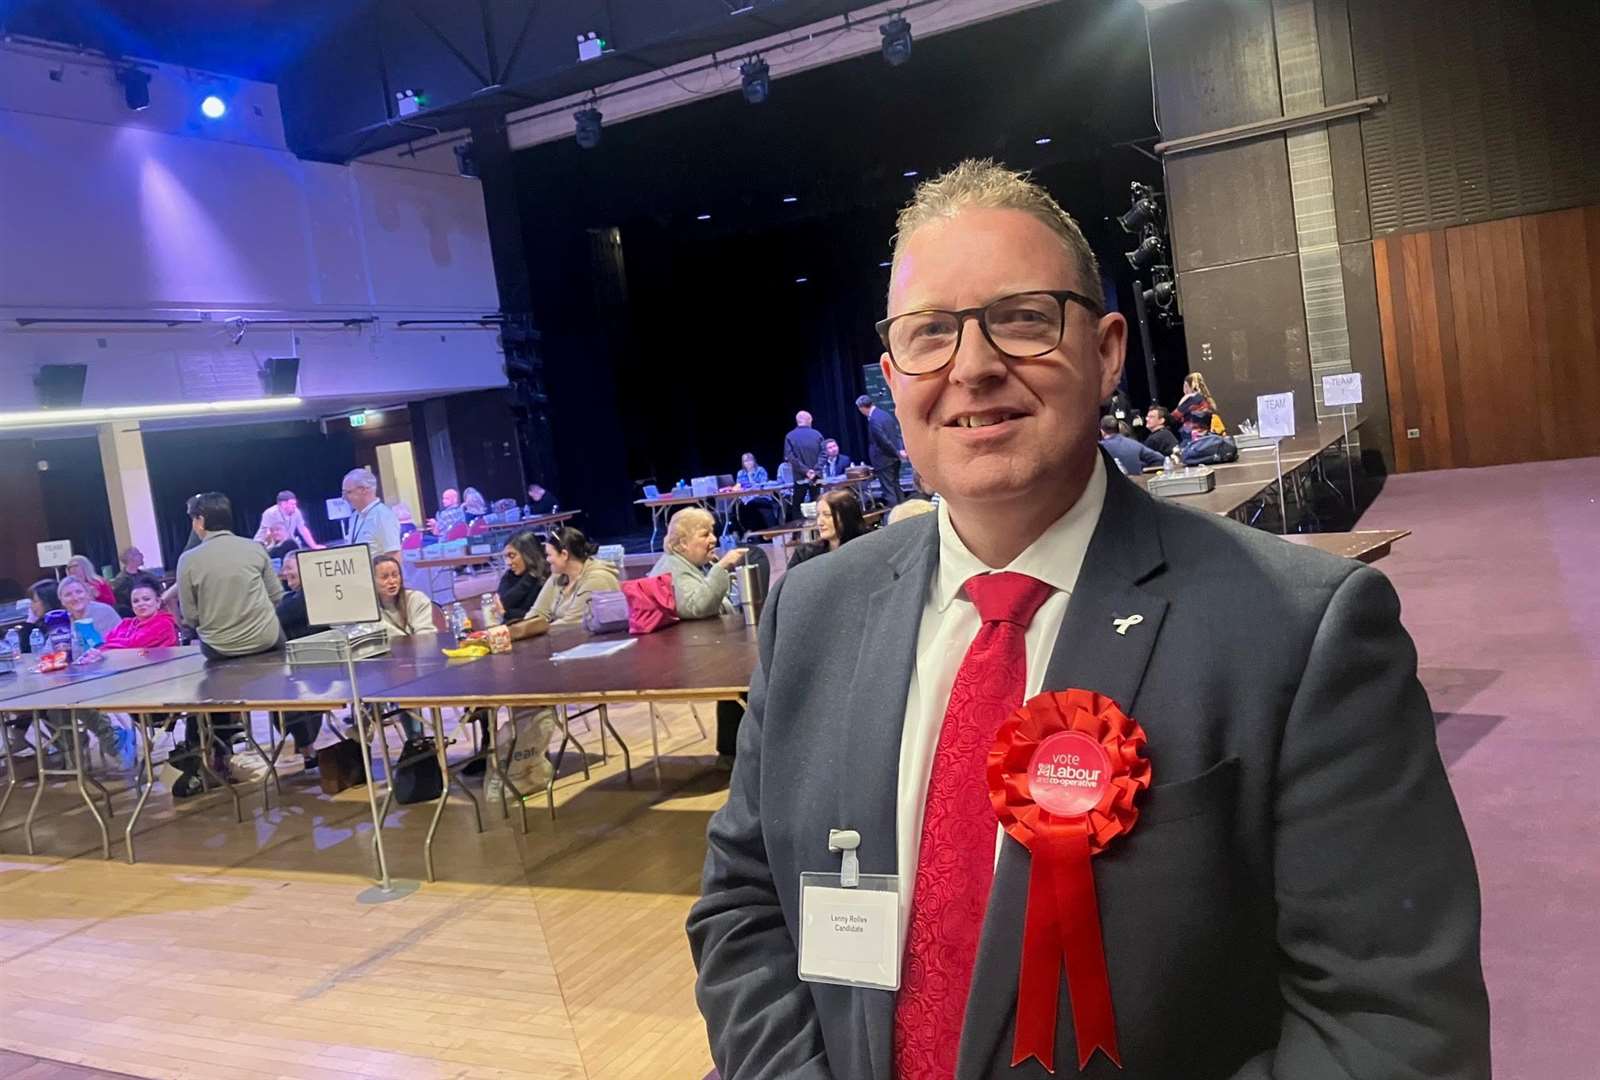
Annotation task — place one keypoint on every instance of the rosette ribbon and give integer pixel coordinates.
(1062, 924)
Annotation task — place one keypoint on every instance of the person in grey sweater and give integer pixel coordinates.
(227, 589)
(702, 593)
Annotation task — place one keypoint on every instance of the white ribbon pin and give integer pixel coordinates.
(1123, 624)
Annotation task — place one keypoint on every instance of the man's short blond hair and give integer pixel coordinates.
(985, 185)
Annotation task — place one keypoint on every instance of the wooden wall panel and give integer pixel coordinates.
(1490, 335)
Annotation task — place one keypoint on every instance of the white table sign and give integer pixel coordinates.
(338, 509)
(1343, 389)
(1275, 415)
(55, 553)
(338, 585)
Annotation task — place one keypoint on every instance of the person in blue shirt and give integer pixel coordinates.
(1130, 453)
(753, 511)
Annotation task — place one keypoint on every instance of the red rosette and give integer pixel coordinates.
(1065, 772)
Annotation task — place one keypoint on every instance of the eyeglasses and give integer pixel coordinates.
(1021, 326)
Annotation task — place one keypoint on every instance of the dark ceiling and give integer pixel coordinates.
(337, 63)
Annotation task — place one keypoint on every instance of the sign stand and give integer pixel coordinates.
(1349, 468)
(339, 591)
(1275, 420)
(1344, 389)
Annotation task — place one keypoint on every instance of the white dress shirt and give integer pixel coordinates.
(949, 623)
(376, 526)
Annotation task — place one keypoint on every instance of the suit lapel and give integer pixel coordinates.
(872, 731)
(1089, 654)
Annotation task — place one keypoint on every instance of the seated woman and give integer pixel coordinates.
(473, 504)
(42, 597)
(99, 588)
(116, 742)
(838, 522)
(80, 604)
(402, 612)
(151, 627)
(1197, 399)
(702, 593)
(525, 576)
(576, 575)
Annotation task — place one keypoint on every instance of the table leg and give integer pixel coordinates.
(79, 770)
(147, 751)
(40, 743)
(444, 791)
(694, 711)
(271, 776)
(388, 768)
(11, 764)
(605, 725)
(655, 743)
(605, 754)
(207, 738)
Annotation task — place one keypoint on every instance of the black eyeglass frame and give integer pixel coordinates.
(1061, 296)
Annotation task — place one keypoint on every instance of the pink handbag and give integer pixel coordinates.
(651, 603)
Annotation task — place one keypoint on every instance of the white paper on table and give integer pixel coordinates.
(592, 650)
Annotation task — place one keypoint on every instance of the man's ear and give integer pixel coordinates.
(1111, 344)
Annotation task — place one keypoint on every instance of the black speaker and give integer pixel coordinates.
(60, 386)
(280, 376)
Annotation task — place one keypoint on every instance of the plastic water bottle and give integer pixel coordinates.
(12, 646)
(36, 641)
(458, 621)
(487, 612)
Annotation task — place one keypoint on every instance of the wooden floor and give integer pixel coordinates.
(250, 951)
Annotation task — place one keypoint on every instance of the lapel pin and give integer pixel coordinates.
(1123, 624)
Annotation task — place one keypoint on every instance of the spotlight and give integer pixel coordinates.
(702, 217)
(754, 77)
(135, 88)
(791, 198)
(1148, 253)
(909, 173)
(466, 160)
(801, 280)
(213, 107)
(896, 40)
(1145, 210)
(588, 122)
(1043, 140)
(1160, 294)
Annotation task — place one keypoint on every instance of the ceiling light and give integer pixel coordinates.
(885, 262)
(213, 107)
(38, 418)
(588, 127)
(135, 88)
(702, 217)
(1043, 140)
(753, 76)
(791, 198)
(801, 280)
(909, 173)
(896, 40)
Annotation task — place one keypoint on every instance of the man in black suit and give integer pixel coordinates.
(832, 464)
(1297, 898)
(802, 448)
(885, 448)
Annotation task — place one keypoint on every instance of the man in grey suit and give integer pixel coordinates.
(1297, 899)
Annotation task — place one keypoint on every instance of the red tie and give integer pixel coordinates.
(955, 864)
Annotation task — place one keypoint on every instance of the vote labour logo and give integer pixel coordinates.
(1068, 774)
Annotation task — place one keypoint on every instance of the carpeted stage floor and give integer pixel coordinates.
(1500, 587)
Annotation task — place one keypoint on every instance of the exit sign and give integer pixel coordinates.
(358, 419)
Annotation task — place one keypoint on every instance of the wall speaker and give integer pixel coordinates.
(280, 376)
(60, 386)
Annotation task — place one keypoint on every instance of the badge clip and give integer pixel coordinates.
(846, 841)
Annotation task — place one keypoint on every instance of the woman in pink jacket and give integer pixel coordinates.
(151, 626)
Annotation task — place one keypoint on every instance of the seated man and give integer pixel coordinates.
(1131, 454)
(832, 464)
(450, 513)
(227, 589)
(540, 501)
(1158, 422)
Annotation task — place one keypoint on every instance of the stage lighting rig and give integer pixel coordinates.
(1149, 252)
(588, 126)
(1144, 212)
(756, 80)
(896, 40)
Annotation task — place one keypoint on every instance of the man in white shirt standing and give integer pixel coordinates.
(371, 521)
(1267, 907)
(285, 514)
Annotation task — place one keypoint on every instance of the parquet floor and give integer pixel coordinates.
(253, 951)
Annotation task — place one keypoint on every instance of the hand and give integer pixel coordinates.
(499, 606)
(733, 558)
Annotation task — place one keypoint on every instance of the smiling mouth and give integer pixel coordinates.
(983, 419)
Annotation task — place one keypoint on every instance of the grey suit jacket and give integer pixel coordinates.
(1297, 900)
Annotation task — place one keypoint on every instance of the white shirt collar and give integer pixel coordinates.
(1055, 557)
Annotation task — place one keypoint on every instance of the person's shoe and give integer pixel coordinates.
(187, 786)
(123, 751)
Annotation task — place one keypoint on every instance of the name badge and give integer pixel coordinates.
(850, 936)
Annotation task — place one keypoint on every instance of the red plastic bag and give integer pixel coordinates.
(651, 603)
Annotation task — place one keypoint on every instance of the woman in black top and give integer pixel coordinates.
(526, 570)
(838, 522)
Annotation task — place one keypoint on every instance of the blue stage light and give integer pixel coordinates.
(213, 107)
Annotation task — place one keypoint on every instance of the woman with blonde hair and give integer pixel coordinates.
(1197, 399)
(702, 593)
(99, 588)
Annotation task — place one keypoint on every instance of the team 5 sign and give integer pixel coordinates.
(338, 585)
